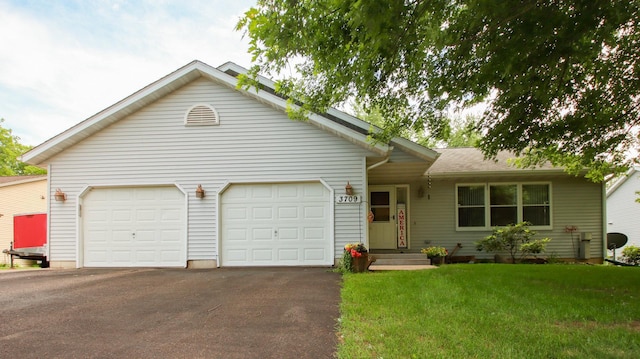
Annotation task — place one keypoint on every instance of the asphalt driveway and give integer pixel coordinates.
(169, 313)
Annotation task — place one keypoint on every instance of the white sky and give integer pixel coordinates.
(63, 61)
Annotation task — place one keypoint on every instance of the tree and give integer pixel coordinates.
(11, 149)
(458, 131)
(560, 78)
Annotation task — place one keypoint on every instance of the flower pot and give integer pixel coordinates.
(437, 260)
(359, 264)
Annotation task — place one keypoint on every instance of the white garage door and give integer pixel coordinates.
(275, 225)
(134, 227)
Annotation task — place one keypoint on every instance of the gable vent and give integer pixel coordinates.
(202, 115)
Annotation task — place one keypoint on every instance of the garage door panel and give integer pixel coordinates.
(134, 227)
(262, 255)
(262, 213)
(288, 254)
(171, 215)
(288, 213)
(237, 234)
(123, 236)
(261, 234)
(144, 236)
(314, 255)
(297, 231)
(314, 233)
(170, 237)
(315, 212)
(288, 234)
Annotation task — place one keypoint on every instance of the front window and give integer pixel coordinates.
(471, 206)
(504, 204)
(481, 206)
(536, 207)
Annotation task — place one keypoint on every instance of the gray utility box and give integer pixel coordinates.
(585, 245)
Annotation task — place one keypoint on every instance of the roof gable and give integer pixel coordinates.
(224, 76)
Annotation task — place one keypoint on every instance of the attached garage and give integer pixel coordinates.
(134, 227)
(276, 224)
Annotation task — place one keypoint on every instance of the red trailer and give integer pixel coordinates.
(29, 238)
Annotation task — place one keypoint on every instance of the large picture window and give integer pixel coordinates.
(481, 206)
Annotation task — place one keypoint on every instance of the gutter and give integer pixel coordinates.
(385, 160)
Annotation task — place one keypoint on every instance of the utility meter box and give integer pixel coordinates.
(585, 245)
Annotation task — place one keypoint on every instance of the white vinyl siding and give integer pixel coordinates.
(254, 143)
(623, 212)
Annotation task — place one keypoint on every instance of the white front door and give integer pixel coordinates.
(276, 224)
(383, 230)
(134, 227)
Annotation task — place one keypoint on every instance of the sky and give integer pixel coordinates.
(63, 61)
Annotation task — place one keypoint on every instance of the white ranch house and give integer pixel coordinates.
(273, 189)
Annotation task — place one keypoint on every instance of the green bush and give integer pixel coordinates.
(631, 255)
(515, 239)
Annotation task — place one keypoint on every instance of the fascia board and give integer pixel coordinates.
(515, 172)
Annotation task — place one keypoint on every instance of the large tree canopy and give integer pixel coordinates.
(10, 150)
(560, 77)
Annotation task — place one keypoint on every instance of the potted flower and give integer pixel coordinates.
(435, 254)
(355, 257)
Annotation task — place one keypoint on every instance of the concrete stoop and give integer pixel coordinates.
(400, 261)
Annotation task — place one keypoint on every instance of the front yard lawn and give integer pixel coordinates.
(492, 311)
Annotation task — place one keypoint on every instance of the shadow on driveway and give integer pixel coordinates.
(169, 313)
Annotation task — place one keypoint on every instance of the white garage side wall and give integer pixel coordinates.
(253, 142)
(575, 202)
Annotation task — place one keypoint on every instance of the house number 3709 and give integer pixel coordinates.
(348, 199)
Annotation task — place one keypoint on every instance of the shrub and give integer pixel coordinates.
(515, 239)
(631, 255)
(433, 252)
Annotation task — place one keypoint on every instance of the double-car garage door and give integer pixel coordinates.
(270, 224)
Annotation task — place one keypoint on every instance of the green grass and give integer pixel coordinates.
(492, 311)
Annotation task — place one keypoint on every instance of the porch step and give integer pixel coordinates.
(401, 259)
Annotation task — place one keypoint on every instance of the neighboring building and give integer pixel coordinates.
(623, 211)
(19, 195)
(192, 171)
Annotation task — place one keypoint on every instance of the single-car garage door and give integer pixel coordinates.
(134, 227)
(276, 224)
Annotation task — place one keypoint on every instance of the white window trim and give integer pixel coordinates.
(487, 204)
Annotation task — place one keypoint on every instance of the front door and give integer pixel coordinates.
(383, 230)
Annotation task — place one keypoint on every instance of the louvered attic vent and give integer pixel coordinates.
(202, 115)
